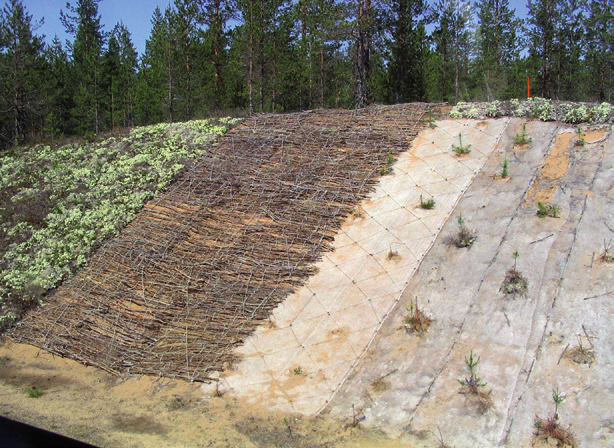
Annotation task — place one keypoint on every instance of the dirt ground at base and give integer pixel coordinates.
(91, 405)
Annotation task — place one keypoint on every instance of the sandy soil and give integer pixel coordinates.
(594, 135)
(91, 405)
(555, 167)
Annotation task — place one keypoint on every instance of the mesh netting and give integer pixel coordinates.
(207, 261)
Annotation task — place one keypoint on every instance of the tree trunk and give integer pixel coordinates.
(170, 85)
(322, 76)
(250, 58)
(363, 45)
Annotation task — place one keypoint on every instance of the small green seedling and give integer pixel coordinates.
(298, 371)
(465, 237)
(473, 385)
(523, 139)
(388, 168)
(461, 149)
(430, 119)
(35, 392)
(581, 141)
(550, 210)
(428, 204)
(474, 382)
(514, 282)
(504, 166)
(550, 428)
(416, 321)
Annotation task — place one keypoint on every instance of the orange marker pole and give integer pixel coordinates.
(528, 87)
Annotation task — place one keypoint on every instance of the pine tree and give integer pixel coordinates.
(542, 22)
(364, 30)
(452, 44)
(59, 91)
(600, 50)
(185, 22)
(155, 91)
(280, 57)
(405, 22)
(497, 46)
(570, 50)
(111, 83)
(119, 73)
(128, 58)
(215, 17)
(21, 68)
(319, 27)
(84, 24)
(263, 37)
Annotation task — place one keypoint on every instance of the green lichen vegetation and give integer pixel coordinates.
(59, 203)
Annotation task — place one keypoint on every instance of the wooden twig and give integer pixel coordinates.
(542, 239)
(598, 295)
(562, 354)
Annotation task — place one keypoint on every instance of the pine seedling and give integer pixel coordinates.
(523, 139)
(428, 204)
(461, 149)
(504, 167)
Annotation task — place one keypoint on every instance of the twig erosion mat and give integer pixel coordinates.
(203, 264)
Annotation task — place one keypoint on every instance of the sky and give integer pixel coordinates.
(136, 15)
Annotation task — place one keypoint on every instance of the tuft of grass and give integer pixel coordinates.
(551, 428)
(514, 282)
(465, 237)
(218, 392)
(357, 417)
(380, 384)
(582, 354)
(416, 321)
(428, 204)
(298, 371)
(388, 167)
(523, 139)
(177, 403)
(550, 210)
(606, 256)
(35, 392)
(461, 149)
(474, 386)
(442, 443)
(393, 255)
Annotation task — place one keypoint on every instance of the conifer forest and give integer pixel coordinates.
(207, 58)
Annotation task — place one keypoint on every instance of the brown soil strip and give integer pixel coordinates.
(555, 167)
(557, 162)
(594, 135)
